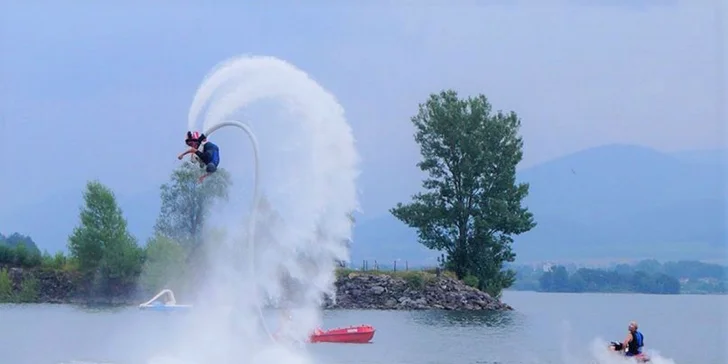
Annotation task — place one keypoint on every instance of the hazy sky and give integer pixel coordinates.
(102, 90)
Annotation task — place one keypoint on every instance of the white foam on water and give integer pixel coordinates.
(301, 226)
(599, 352)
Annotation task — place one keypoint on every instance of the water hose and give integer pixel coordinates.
(253, 209)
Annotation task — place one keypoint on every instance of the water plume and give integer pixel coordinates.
(300, 224)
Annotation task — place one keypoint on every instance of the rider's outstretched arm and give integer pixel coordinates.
(188, 151)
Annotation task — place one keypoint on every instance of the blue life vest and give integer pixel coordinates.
(635, 346)
(213, 152)
(210, 154)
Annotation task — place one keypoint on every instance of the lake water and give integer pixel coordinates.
(546, 328)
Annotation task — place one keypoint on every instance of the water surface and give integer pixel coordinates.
(545, 328)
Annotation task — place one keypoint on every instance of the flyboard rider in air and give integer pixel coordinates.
(208, 158)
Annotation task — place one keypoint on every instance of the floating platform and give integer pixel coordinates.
(164, 301)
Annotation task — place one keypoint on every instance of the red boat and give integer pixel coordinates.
(350, 335)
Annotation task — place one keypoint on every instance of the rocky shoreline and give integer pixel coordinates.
(410, 291)
(354, 290)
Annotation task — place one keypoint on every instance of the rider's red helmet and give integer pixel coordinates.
(193, 137)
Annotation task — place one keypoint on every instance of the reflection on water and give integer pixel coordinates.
(101, 308)
(468, 318)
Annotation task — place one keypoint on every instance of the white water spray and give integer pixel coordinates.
(300, 220)
(602, 356)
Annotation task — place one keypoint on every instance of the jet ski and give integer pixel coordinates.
(618, 348)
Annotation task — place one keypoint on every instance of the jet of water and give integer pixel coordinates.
(303, 222)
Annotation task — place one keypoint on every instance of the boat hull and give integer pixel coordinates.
(349, 335)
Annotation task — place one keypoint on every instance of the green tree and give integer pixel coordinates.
(186, 203)
(164, 264)
(472, 204)
(56, 261)
(17, 239)
(19, 250)
(102, 246)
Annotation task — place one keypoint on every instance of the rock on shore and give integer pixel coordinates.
(415, 291)
(50, 286)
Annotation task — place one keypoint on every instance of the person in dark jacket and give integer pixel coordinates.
(209, 157)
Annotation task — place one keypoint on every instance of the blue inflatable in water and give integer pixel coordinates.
(168, 304)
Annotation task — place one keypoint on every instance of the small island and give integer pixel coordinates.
(413, 290)
(372, 290)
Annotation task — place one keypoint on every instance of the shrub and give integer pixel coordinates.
(415, 281)
(28, 290)
(6, 286)
(343, 272)
(450, 274)
(56, 261)
(471, 280)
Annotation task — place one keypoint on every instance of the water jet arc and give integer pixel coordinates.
(254, 207)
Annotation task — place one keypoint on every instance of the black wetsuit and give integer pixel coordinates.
(635, 345)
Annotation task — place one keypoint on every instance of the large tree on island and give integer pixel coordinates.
(471, 206)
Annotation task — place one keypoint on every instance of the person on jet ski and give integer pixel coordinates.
(634, 340)
(209, 157)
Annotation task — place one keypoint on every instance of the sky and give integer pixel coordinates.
(101, 90)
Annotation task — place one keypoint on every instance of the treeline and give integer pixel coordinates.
(104, 259)
(685, 269)
(646, 276)
(695, 277)
(557, 279)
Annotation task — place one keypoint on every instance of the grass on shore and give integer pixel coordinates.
(416, 279)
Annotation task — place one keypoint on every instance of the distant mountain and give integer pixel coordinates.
(708, 156)
(619, 201)
(609, 202)
(604, 183)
